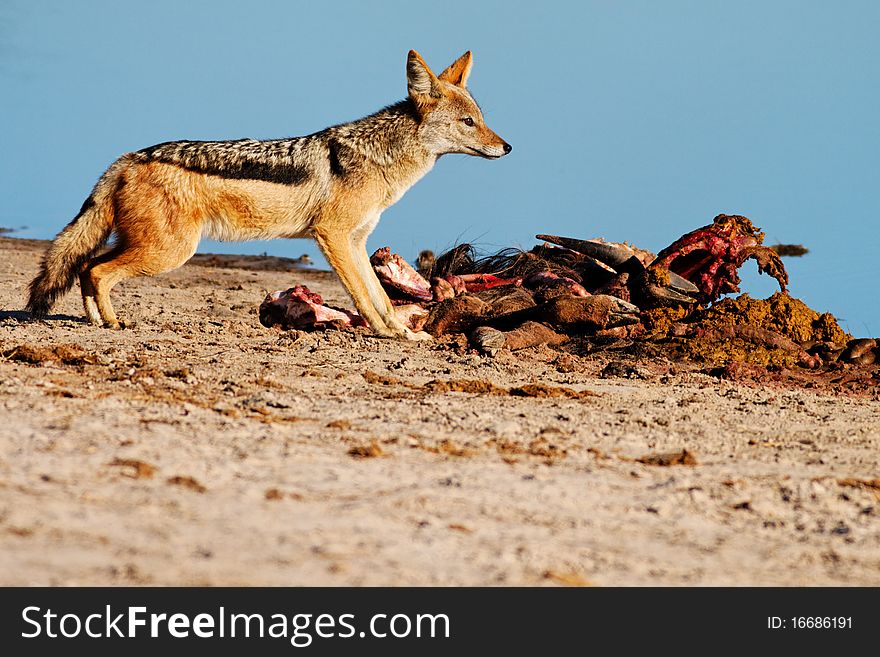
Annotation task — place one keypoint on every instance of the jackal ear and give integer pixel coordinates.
(458, 71)
(421, 81)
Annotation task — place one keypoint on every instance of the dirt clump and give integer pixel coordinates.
(186, 481)
(781, 313)
(68, 354)
(682, 457)
(768, 332)
(366, 451)
(134, 468)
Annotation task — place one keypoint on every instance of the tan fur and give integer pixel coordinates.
(159, 204)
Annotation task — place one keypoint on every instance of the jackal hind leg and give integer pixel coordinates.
(98, 279)
(90, 304)
(129, 258)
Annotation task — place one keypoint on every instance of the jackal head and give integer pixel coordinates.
(451, 120)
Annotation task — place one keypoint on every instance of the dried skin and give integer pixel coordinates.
(558, 288)
(488, 340)
(572, 313)
(619, 287)
(866, 359)
(529, 334)
(503, 300)
(596, 312)
(546, 285)
(861, 350)
(455, 315)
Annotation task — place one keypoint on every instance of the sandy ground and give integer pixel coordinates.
(202, 448)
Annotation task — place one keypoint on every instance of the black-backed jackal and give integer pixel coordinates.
(333, 185)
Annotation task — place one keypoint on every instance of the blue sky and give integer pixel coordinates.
(634, 121)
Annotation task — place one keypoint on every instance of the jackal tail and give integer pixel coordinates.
(75, 245)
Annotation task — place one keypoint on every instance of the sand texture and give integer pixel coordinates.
(201, 448)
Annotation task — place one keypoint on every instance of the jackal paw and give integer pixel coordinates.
(401, 330)
(119, 325)
(419, 336)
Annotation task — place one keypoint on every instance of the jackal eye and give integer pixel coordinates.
(468, 121)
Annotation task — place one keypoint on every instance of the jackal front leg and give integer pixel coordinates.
(378, 296)
(337, 247)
